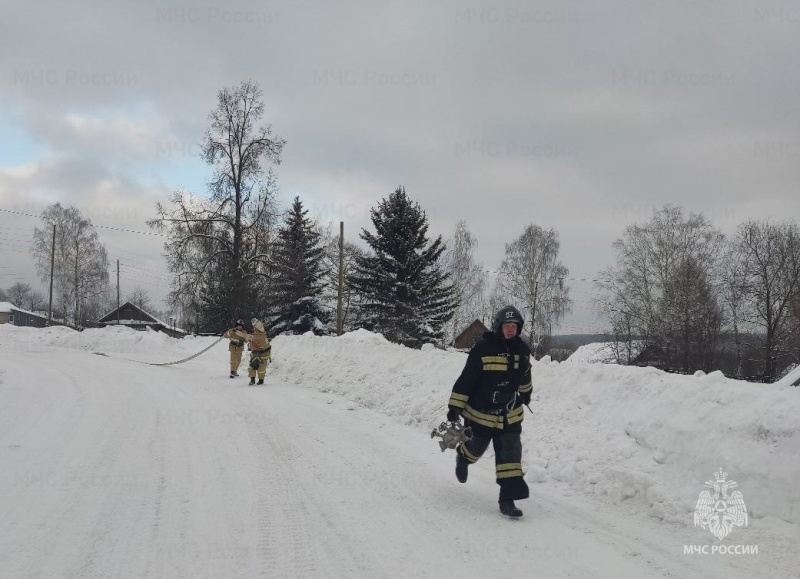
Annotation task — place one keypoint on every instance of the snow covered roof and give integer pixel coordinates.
(792, 378)
(8, 307)
(111, 318)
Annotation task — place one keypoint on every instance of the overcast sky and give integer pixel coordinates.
(578, 115)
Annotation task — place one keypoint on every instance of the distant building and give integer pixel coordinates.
(131, 316)
(471, 334)
(11, 314)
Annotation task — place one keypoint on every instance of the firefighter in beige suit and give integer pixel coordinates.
(238, 337)
(260, 352)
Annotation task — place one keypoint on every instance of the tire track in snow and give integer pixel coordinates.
(367, 490)
(286, 546)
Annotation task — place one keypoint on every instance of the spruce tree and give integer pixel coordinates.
(213, 301)
(405, 293)
(298, 283)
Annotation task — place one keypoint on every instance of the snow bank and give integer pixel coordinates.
(605, 352)
(147, 344)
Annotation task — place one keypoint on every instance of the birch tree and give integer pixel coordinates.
(467, 277)
(80, 260)
(531, 277)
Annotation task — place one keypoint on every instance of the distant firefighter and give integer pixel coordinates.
(237, 337)
(260, 352)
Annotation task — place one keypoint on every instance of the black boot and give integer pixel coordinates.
(260, 380)
(233, 374)
(509, 509)
(252, 381)
(462, 466)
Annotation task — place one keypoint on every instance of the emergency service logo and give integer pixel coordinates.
(719, 512)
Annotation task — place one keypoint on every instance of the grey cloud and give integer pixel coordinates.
(578, 115)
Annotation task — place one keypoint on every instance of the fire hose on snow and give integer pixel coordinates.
(193, 356)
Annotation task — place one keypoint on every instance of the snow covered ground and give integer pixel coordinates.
(110, 467)
(606, 352)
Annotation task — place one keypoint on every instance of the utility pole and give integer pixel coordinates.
(339, 306)
(118, 293)
(52, 267)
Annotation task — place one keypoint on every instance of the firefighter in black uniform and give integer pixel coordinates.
(489, 394)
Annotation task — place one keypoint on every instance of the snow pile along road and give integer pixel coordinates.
(635, 437)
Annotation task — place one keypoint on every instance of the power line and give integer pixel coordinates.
(22, 235)
(142, 272)
(15, 250)
(6, 228)
(145, 275)
(133, 253)
(141, 266)
(93, 224)
(138, 281)
(497, 272)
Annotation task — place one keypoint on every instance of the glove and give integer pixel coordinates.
(453, 414)
(525, 397)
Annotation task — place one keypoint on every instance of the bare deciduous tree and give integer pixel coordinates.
(772, 254)
(532, 277)
(214, 245)
(140, 298)
(733, 275)
(81, 261)
(467, 276)
(795, 327)
(692, 317)
(660, 271)
(18, 294)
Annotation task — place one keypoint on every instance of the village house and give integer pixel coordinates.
(471, 334)
(11, 314)
(132, 316)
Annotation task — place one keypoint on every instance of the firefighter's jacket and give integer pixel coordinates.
(259, 343)
(237, 338)
(486, 391)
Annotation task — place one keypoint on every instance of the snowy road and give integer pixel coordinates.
(112, 468)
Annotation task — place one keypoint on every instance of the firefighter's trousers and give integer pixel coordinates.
(264, 358)
(236, 357)
(507, 457)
